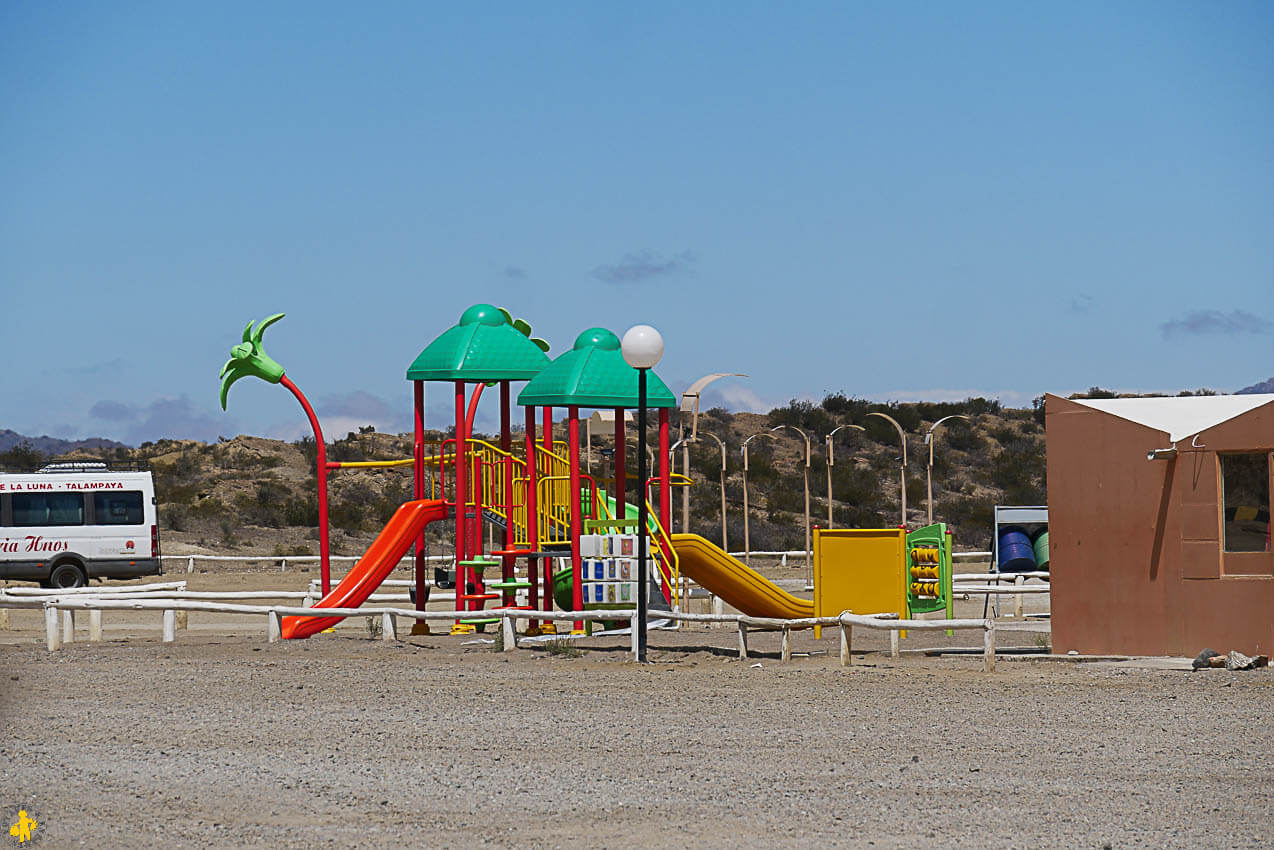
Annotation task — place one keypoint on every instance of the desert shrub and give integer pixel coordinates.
(175, 518)
(307, 447)
(917, 490)
(804, 415)
(208, 507)
(963, 439)
(1019, 471)
(22, 457)
(301, 510)
(972, 514)
(785, 499)
(1004, 434)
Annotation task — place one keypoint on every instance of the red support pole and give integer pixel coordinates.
(577, 564)
(621, 498)
(325, 559)
(473, 530)
(461, 493)
(418, 489)
(506, 443)
(665, 486)
(547, 443)
(533, 519)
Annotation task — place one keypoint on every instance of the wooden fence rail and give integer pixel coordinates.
(57, 633)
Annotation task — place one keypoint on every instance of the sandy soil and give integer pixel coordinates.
(224, 740)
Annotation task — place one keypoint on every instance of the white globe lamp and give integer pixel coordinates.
(642, 346)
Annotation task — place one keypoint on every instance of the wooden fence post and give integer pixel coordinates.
(988, 647)
(273, 626)
(786, 653)
(170, 625)
(51, 636)
(846, 643)
(509, 633)
(4, 619)
(1017, 598)
(95, 624)
(894, 649)
(190, 565)
(68, 627)
(388, 627)
(743, 640)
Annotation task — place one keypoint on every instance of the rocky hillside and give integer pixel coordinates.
(259, 495)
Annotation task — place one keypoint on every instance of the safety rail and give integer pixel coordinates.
(58, 633)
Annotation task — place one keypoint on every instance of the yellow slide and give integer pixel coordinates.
(734, 581)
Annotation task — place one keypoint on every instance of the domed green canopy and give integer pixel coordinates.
(484, 346)
(593, 374)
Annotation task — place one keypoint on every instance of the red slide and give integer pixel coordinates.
(376, 564)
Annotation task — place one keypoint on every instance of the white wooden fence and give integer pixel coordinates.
(60, 630)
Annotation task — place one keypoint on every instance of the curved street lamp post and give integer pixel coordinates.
(930, 438)
(721, 444)
(747, 540)
(809, 552)
(690, 407)
(902, 470)
(831, 461)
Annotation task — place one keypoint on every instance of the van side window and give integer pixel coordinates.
(118, 508)
(48, 509)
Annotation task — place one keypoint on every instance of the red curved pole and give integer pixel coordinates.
(324, 560)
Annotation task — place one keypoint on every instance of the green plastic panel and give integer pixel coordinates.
(928, 538)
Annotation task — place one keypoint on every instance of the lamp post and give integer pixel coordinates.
(902, 470)
(747, 539)
(690, 405)
(721, 444)
(809, 551)
(930, 438)
(831, 461)
(642, 348)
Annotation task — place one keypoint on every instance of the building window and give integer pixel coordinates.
(1245, 487)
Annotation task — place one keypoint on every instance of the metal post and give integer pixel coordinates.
(930, 438)
(902, 470)
(643, 580)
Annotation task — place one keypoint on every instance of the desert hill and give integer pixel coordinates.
(256, 494)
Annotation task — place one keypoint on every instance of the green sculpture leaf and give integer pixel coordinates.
(248, 358)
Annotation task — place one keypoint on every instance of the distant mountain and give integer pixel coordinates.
(1266, 386)
(53, 445)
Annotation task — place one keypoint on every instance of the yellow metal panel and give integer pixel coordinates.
(861, 570)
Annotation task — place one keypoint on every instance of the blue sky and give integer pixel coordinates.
(890, 200)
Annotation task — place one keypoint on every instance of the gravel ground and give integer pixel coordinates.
(224, 740)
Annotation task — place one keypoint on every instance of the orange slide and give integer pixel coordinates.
(377, 563)
(735, 582)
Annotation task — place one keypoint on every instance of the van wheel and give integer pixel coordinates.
(67, 575)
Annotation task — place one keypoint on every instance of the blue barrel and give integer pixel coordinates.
(1016, 555)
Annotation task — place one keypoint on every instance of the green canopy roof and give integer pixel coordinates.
(483, 347)
(593, 374)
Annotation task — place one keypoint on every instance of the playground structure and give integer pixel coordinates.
(535, 494)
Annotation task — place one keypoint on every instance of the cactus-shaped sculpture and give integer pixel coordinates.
(248, 359)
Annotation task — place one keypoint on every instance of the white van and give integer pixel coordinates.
(71, 522)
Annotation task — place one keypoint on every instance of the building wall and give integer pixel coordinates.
(1137, 566)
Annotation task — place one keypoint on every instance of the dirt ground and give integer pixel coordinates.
(224, 740)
